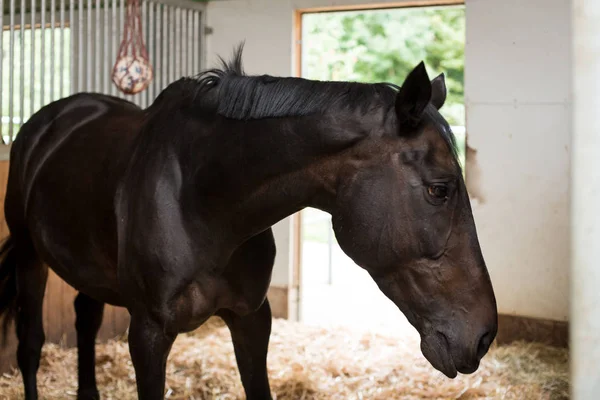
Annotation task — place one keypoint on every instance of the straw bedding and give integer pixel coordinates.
(308, 362)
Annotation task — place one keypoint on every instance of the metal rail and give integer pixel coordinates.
(53, 48)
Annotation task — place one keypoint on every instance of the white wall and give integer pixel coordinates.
(518, 96)
(585, 252)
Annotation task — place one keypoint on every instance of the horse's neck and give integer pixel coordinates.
(273, 168)
(280, 197)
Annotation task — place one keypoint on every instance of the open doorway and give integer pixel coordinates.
(380, 45)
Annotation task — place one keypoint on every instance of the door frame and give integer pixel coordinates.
(296, 219)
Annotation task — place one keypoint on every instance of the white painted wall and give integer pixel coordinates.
(518, 98)
(585, 252)
(518, 94)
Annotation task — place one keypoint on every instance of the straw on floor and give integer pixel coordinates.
(308, 362)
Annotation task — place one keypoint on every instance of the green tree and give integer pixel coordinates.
(385, 45)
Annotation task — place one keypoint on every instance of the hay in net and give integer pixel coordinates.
(307, 362)
(132, 71)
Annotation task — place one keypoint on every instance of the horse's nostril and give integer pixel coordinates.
(444, 339)
(484, 344)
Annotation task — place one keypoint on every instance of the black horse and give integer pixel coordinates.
(167, 212)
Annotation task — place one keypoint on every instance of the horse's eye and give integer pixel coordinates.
(438, 191)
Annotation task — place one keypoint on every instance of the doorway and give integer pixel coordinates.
(380, 45)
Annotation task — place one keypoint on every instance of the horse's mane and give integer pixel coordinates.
(235, 95)
(231, 93)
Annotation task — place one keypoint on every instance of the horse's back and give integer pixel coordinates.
(48, 129)
(65, 165)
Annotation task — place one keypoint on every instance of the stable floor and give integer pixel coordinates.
(310, 362)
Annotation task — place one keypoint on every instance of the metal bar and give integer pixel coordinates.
(97, 61)
(61, 81)
(151, 50)
(80, 45)
(158, 66)
(196, 43)
(184, 39)
(32, 61)
(105, 55)
(144, 94)
(72, 83)
(43, 53)
(178, 44)
(121, 24)
(52, 48)
(1, 69)
(182, 35)
(172, 44)
(172, 49)
(148, 39)
(159, 33)
(113, 43)
(164, 64)
(183, 24)
(11, 70)
(22, 66)
(192, 44)
(199, 35)
(202, 39)
(189, 44)
(88, 59)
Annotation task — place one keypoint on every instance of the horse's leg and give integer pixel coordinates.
(31, 275)
(149, 346)
(88, 314)
(251, 265)
(250, 336)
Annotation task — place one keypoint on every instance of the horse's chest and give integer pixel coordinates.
(204, 297)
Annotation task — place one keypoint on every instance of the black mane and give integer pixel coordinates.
(242, 97)
(233, 94)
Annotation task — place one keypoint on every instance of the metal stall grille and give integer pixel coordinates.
(53, 48)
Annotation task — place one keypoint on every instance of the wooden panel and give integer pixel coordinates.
(59, 314)
(513, 327)
(279, 301)
(58, 311)
(8, 355)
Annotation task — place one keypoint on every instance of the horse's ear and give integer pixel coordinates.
(438, 91)
(413, 97)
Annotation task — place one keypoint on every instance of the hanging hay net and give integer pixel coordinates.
(132, 72)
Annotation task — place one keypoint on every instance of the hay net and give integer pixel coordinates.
(132, 72)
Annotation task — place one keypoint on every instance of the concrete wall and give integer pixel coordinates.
(585, 252)
(518, 96)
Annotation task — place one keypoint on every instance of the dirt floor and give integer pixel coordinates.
(308, 362)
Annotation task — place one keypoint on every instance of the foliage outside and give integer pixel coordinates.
(385, 45)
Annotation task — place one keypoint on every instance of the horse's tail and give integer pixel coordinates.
(8, 286)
